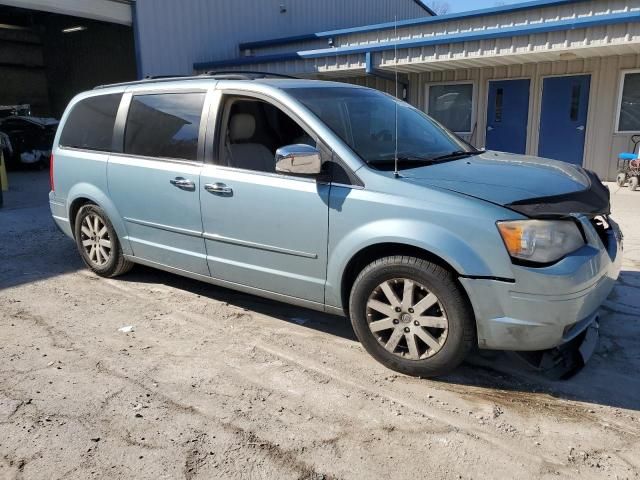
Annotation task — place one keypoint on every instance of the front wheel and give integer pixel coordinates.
(411, 316)
(633, 183)
(621, 179)
(98, 243)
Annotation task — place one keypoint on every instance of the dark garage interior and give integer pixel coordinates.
(47, 58)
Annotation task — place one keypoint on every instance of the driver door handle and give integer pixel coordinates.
(218, 189)
(183, 183)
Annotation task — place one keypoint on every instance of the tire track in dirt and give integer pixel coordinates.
(180, 303)
(522, 401)
(283, 458)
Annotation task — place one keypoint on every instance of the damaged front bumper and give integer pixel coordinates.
(567, 359)
(549, 306)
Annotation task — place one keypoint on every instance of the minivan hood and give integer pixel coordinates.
(536, 187)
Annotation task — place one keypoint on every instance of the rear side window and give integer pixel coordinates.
(164, 125)
(90, 123)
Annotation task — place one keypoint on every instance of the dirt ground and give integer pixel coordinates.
(217, 384)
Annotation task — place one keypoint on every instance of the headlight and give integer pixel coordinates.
(540, 241)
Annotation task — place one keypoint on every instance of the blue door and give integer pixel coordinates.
(563, 122)
(507, 115)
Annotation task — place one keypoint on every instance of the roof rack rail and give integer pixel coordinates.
(249, 74)
(149, 79)
(220, 75)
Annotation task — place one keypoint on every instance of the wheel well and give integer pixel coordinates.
(73, 211)
(374, 252)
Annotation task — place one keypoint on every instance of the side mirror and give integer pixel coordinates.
(298, 159)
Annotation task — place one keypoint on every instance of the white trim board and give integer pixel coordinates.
(104, 10)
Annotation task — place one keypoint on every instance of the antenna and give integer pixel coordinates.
(395, 68)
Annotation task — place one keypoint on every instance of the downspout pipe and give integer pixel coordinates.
(371, 71)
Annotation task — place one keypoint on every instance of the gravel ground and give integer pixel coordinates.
(217, 384)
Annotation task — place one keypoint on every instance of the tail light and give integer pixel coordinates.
(51, 184)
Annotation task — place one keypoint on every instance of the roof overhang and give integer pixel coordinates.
(427, 21)
(112, 11)
(546, 41)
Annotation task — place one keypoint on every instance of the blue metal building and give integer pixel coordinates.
(172, 35)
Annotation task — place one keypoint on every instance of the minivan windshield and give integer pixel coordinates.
(365, 119)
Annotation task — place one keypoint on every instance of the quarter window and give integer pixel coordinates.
(452, 106)
(90, 123)
(164, 125)
(629, 120)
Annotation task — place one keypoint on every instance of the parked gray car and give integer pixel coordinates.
(288, 189)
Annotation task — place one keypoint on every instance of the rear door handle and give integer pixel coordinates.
(580, 128)
(218, 189)
(183, 183)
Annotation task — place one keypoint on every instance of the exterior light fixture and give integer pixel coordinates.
(78, 28)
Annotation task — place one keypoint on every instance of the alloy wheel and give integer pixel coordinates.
(407, 319)
(95, 240)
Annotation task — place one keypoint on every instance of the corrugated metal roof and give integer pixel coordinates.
(423, 21)
(489, 34)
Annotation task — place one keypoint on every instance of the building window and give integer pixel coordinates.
(575, 103)
(452, 105)
(499, 105)
(629, 119)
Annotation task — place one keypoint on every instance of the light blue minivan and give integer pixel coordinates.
(342, 199)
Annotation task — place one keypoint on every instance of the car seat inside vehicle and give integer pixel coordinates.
(243, 153)
(255, 131)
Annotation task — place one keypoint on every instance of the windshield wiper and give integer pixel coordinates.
(455, 155)
(401, 158)
(405, 161)
(413, 161)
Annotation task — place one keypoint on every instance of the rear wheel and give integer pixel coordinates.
(98, 243)
(411, 316)
(633, 183)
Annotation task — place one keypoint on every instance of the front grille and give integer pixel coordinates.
(602, 228)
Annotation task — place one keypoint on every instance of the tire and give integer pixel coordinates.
(449, 322)
(633, 183)
(621, 179)
(102, 252)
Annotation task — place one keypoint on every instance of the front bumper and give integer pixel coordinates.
(546, 307)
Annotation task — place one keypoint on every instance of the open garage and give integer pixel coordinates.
(53, 51)
(49, 52)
